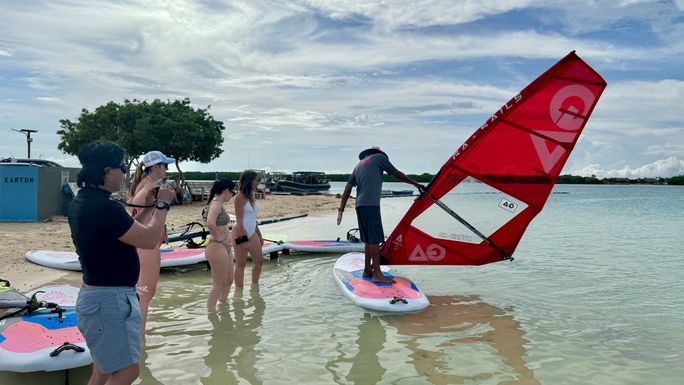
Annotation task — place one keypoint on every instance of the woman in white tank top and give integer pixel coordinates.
(247, 238)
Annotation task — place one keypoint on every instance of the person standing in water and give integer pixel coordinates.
(149, 175)
(218, 251)
(367, 177)
(246, 234)
(106, 237)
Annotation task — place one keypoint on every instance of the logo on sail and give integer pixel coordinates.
(434, 253)
(569, 106)
(568, 111)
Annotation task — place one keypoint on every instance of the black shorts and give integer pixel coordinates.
(370, 224)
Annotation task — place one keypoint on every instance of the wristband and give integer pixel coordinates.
(161, 205)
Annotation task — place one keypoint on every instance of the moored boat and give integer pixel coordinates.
(304, 181)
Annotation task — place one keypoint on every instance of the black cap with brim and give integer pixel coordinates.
(369, 152)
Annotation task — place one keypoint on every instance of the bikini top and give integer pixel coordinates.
(222, 218)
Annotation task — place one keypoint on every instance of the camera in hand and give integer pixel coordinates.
(167, 182)
(241, 239)
(164, 182)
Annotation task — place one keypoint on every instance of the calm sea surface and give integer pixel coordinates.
(595, 296)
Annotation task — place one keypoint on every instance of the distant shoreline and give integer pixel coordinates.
(426, 177)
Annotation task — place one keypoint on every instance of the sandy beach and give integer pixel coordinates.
(54, 234)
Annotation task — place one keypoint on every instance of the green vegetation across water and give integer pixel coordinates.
(426, 177)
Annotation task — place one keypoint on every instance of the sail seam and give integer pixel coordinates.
(575, 80)
(536, 133)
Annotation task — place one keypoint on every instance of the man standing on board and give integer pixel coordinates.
(367, 177)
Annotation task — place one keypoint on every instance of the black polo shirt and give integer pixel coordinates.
(96, 224)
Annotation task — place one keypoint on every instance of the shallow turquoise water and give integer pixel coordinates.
(595, 296)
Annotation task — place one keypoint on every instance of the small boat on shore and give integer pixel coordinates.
(304, 181)
(396, 193)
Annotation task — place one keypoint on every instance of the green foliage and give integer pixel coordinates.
(200, 175)
(172, 127)
(576, 179)
(676, 180)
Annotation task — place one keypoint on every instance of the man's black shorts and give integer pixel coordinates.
(370, 224)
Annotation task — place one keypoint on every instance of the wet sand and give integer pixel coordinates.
(54, 234)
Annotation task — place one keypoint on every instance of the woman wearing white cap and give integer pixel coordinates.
(148, 175)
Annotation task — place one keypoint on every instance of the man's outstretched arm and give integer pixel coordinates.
(343, 201)
(402, 177)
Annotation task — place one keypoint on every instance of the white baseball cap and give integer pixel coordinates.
(154, 157)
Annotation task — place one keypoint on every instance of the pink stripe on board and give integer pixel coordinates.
(180, 253)
(366, 289)
(29, 337)
(315, 243)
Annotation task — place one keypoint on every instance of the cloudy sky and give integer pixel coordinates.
(307, 84)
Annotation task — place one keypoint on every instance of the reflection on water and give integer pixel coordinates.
(455, 327)
(365, 366)
(234, 338)
(456, 340)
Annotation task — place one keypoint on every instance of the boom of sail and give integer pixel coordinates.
(514, 158)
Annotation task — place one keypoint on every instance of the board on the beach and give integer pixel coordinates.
(28, 340)
(68, 260)
(324, 246)
(181, 257)
(401, 296)
(271, 247)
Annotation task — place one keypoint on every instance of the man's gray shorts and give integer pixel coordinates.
(109, 318)
(370, 224)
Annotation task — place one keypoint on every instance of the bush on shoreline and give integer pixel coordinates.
(426, 177)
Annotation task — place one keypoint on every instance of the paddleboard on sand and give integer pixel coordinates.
(68, 260)
(31, 342)
(271, 247)
(324, 246)
(398, 297)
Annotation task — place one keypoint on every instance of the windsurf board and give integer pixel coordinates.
(399, 297)
(324, 246)
(32, 342)
(68, 260)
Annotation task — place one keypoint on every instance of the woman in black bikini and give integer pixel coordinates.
(218, 251)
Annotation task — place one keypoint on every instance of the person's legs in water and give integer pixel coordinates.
(125, 376)
(254, 247)
(97, 378)
(221, 260)
(150, 261)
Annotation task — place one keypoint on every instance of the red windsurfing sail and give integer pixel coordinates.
(516, 156)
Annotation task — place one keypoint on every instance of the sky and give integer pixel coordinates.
(308, 84)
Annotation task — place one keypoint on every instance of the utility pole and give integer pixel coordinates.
(27, 132)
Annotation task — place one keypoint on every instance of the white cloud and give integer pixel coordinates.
(5, 53)
(663, 168)
(50, 99)
(417, 13)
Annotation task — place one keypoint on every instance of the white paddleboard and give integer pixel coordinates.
(271, 247)
(398, 297)
(324, 246)
(68, 260)
(27, 340)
